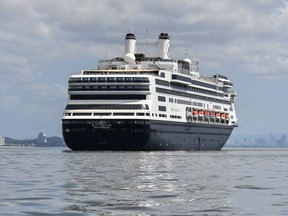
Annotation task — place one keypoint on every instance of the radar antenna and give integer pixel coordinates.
(192, 55)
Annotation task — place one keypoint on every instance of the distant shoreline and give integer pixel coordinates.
(53, 141)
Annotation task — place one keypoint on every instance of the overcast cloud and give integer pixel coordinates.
(42, 42)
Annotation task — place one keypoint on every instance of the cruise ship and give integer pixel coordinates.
(138, 102)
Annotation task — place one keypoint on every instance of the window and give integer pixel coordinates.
(93, 79)
(140, 114)
(183, 102)
(85, 80)
(175, 117)
(119, 79)
(108, 97)
(82, 114)
(161, 98)
(101, 79)
(107, 106)
(127, 79)
(75, 80)
(111, 79)
(162, 82)
(162, 108)
(123, 114)
(140, 79)
(217, 107)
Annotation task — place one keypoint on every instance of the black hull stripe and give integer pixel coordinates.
(148, 136)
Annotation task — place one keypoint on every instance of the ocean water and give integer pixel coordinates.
(56, 181)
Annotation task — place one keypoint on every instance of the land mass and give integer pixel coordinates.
(53, 141)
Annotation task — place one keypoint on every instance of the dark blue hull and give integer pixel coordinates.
(143, 135)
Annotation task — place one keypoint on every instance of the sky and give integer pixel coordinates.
(43, 42)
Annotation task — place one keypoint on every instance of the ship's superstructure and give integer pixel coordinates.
(136, 102)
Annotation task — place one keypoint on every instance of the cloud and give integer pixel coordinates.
(42, 42)
(47, 94)
(15, 68)
(68, 29)
(9, 101)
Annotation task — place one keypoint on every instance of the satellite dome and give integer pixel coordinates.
(187, 60)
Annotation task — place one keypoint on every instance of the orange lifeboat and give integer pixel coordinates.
(217, 115)
(227, 116)
(195, 113)
(212, 114)
(201, 113)
(223, 115)
(206, 113)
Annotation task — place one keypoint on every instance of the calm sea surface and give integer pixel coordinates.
(56, 181)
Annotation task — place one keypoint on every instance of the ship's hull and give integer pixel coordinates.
(143, 135)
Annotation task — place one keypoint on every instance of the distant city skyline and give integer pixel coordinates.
(268, 140)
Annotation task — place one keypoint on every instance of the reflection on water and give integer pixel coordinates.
(153, 182)
(56, 181)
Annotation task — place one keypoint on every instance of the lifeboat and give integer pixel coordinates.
(223, 116)
(201, 113)
(227, 116)
(217, 115)
(212, 114)
(195, 113)
(206, 113)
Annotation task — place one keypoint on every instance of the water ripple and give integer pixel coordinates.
(54, 181)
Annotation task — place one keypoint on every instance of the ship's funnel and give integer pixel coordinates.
(130, 43)
(164, 44)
